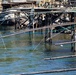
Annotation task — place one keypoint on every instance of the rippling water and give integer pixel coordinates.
(25, 53)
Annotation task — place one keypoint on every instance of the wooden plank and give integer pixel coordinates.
(65, 43)
(60, 57)
(37, 9)
(49, 71)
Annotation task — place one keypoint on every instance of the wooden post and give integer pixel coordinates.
(17, 20)
(51, 37)
(51, 31)
(74, 33)
(73, 37)
(75, 43)
(45, 35)
(31, 19)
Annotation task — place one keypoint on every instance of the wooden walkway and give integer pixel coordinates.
(52, 10)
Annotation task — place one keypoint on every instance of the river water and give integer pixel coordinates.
(25, 53)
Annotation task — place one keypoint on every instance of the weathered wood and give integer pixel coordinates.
(73, 33)
(51, 26)
(63, 43)
(60, 57)
(50, 71)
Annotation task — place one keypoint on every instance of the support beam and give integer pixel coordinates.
(50, 71)
(73, 38)
(60, 57)
(75, 33)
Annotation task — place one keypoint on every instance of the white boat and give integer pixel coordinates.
(8, 17)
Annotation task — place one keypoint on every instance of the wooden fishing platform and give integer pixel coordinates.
(41, 9)
(31, 13)
(35, 12)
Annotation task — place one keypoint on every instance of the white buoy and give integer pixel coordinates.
(61, 45)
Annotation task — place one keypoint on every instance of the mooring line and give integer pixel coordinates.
(3, 41)
(49, 71)
(60, 57)
(39, 44)
(13, 48)
(54, 35)
(63, 43)
(58, 33)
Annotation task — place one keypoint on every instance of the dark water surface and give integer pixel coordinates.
(25, 53)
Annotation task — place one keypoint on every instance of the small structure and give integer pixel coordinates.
(8, 3)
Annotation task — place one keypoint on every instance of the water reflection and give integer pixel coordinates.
(26, 53)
